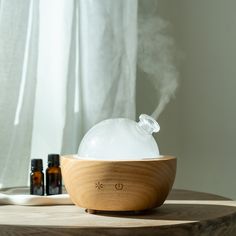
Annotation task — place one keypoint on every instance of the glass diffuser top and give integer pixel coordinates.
(121, 139)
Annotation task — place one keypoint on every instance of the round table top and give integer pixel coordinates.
(183, 213)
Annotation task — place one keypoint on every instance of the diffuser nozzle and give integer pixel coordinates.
(148, 124)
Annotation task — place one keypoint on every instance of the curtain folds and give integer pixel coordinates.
(64, 66)
(18, 65)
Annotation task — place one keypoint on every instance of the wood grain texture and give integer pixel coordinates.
(175, 217)
(118, 185)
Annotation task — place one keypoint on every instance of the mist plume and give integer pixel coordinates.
(156, 52)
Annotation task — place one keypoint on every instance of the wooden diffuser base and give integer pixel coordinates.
(100, 185)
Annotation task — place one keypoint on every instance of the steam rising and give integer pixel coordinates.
(155, 58)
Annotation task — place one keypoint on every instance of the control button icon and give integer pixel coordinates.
(119, 186)
(99, 185)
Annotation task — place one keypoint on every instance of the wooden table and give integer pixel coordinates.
(184, 213)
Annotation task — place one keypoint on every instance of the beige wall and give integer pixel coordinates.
(199, 126)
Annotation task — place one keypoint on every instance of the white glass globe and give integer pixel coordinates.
(121, 139)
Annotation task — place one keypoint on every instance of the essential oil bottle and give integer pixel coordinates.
(37, 177)
(53, 175)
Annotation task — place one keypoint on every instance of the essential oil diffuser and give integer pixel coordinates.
(118, 167)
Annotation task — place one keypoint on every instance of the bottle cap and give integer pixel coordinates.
(53, 160)
(37, 164)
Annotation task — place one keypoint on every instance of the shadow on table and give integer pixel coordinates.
(184, 211)
(182, 194)
(178, 212)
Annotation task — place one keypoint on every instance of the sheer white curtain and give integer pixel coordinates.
(18, 66)
(64, 66)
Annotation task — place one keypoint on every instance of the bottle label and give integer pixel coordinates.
(53, 184)
(38, 190)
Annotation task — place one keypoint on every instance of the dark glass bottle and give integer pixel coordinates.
(37, 177)
(53, 175)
